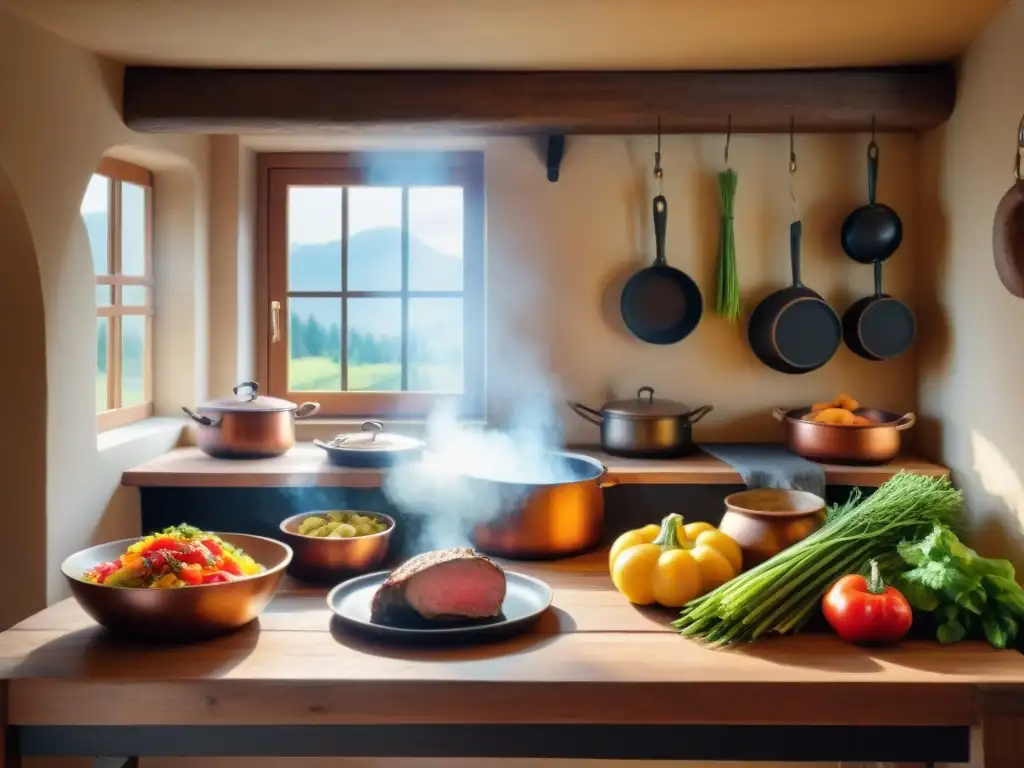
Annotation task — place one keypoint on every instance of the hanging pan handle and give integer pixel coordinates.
(594, 417)
(878, 279)
(796, 230)
(872, 172)
(1018, 172)
(660, 224)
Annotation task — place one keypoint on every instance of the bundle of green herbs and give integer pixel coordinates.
(969, 596)
(781, 594)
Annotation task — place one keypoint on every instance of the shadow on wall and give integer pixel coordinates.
(23, 387)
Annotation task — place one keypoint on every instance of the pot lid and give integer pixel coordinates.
(645, 405)
(373, 438)
(247, 398)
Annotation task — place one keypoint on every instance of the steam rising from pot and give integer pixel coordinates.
(441, 488)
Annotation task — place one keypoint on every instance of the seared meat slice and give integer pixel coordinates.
(442, 586)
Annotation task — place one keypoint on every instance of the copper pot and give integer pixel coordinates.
(765, 521)
(874, 443)
(546, 520)
(248, 426)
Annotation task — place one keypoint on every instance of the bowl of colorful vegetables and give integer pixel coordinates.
(180, 584)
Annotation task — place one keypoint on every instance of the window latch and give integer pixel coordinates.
(275, 322)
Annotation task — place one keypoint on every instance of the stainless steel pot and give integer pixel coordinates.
(544, 519)
(248, 426)
(644, 427)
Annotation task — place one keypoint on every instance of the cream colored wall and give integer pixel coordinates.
(971, 365)
(61, 108)
(557, 255)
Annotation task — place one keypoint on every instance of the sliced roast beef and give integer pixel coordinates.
(445, 586)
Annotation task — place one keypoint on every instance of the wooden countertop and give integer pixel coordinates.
(592, 658)
(305, 465)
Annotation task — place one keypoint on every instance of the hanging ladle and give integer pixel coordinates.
(874, 231)
(1008, 228)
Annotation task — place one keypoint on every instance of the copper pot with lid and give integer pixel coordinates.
(644, 426)
(249, 425)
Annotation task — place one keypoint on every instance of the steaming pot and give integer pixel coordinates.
(644, 427)
(549, 519)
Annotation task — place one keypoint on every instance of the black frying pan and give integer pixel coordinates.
(879, 327)
(660, 304)
(874, 231)
(794, 330)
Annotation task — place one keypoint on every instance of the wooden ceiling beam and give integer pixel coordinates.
(901, 99)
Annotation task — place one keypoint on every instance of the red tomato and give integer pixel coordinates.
(862, 611)
(230, 566)
(162, 542)
(103, 570)
(195, 554)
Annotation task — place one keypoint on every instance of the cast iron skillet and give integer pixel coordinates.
(874, 231)
(879, 327)
(794, 330)
(660, 304)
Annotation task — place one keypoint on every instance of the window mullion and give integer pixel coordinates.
(114, 249)
(405, 290)
(344, 289)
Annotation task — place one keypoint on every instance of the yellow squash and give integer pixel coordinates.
(672, 563)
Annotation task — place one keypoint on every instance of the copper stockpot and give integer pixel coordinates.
(249, 426)
(318, 559)
(183, 613)
(875, 443)
(546, 520)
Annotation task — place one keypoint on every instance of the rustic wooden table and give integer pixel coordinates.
(595, 677)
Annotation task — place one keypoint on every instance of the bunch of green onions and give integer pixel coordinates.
(781, 594)
(727, 304)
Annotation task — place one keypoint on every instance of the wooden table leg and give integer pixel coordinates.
(8, 756)
(1001, 722)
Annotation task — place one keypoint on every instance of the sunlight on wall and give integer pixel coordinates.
(996, 474)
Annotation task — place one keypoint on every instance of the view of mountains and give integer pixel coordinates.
(374, 264)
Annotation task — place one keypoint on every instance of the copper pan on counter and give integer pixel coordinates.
(875, 443)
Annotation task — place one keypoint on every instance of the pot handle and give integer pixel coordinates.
(205, 421)
(906, 421)
(696, 415)
(594, 417)
(779, 412)
(306, 410)
(604, 481)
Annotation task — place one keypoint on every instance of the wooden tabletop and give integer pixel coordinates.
(592, 658)
(305, 465)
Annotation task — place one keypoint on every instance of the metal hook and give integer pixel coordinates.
(1018, 172)
(872, 129)
(728, 138)
(658, 172)
(792, 165)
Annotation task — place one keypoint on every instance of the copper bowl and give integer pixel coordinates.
(875, 443)
(184, 613)
(765, 521)
(321, 559)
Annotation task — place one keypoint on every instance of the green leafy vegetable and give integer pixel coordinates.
(969, 594)
(780, 595)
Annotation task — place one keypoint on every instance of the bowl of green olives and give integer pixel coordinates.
(336, 543)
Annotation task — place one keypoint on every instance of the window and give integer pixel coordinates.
(116, 212)
(374, 280)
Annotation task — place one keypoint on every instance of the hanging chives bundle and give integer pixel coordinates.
(728, 299)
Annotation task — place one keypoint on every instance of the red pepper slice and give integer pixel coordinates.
(214, 548)
(161, 542)
(862, 611)
(191, 574)
(103, 570)
(231, 567)
(216, 577)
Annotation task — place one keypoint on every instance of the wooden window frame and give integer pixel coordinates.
(278, 171)
(116, 415)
